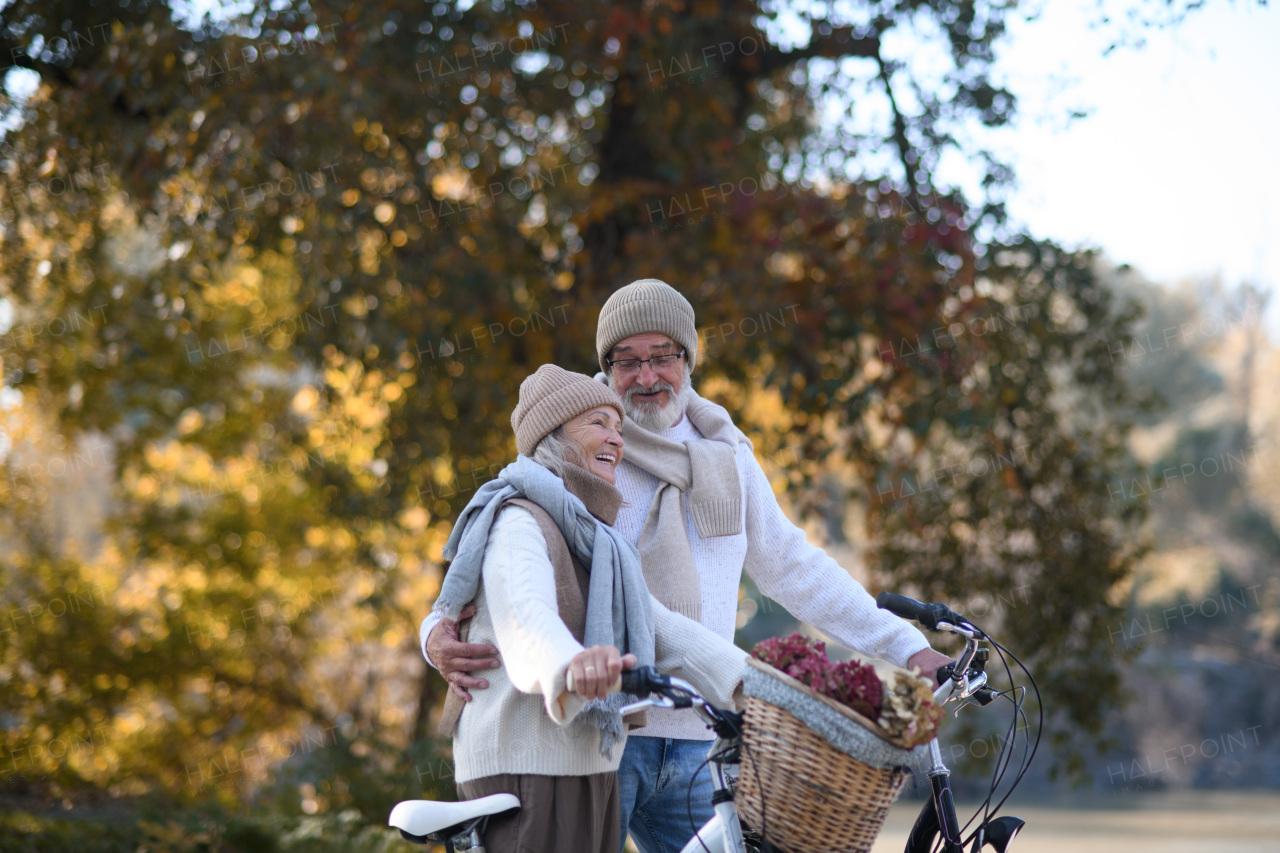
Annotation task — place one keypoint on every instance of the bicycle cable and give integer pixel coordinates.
(764, 812)
(688, 802)
(1039, 720)
(985, 808)
(706, 762)
(1005, 756)
(1016, 695)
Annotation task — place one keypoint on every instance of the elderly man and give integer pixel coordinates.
(700, 509)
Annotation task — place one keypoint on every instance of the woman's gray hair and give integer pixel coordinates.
(554, 452)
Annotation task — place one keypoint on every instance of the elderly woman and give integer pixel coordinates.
(558, 591)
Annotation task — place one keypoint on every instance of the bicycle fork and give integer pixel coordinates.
(939, 817)
(939, 814)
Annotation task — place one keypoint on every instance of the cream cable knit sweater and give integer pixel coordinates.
(525, 721)
(778, 557)
(784, 565)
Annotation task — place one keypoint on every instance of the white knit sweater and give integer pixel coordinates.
(777, 556)
(525, 721)
(784, 565)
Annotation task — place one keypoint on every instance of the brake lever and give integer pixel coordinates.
(961, 627)
(970, 691)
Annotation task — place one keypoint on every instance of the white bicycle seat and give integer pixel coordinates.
(423, 817)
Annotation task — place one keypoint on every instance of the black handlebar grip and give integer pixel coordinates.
(900, 605)
(641, 680)
(928, 615)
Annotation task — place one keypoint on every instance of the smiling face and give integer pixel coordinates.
(597, 436)
(653, 398)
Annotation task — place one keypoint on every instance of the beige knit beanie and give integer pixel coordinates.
(549, 397)
(647, 305)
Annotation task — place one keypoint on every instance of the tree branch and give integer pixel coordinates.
(44, 69)
(837, 44)
(49, 71)
(905, 151)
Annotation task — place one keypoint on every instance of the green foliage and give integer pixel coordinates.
(195, 832)
(22, 832)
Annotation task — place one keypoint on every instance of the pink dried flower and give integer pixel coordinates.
(784, 652)
(856, 684)
(906, 709)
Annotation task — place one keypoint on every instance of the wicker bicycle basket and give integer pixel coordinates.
(805, 795)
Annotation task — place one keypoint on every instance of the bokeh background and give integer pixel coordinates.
(271, 273)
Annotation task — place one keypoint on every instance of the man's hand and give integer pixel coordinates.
(455, 660)
(928, 662)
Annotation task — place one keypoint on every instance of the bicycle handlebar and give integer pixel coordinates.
(928, 615)
(643, 680)
(983, 695)
(675, 693)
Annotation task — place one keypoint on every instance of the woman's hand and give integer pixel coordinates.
(928, 662)
(593, 671)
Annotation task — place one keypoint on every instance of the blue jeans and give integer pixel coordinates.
(653, 782)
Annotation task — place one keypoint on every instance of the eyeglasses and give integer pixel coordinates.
(628, 366)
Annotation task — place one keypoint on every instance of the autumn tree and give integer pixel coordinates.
(299, 258)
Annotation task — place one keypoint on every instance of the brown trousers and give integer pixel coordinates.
(557, 814)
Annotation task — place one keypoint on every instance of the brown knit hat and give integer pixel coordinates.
(549, 397)
(647, 305)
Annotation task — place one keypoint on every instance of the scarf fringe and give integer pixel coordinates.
(605, 716)
(448, 609)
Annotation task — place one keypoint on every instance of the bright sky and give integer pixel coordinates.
(1177, 170)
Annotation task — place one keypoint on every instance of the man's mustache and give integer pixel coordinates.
(652, 389)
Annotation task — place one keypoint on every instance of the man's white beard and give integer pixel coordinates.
(656, 417)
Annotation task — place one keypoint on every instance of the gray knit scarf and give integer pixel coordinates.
(619, 612)
(705, 473)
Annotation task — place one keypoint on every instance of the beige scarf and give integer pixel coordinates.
(706, 472)
(601, 498)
